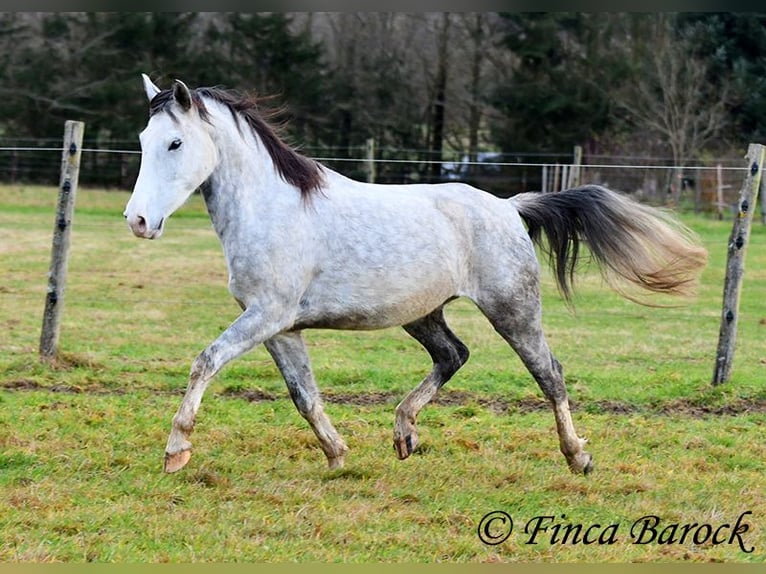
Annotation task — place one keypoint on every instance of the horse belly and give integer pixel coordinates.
(375, 304)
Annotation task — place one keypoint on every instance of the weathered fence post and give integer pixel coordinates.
(735, 264)
(719, 191)
(574, 173)
(70, 171)
(763, 200)
(370, 161)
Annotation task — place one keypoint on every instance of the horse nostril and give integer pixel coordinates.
(141, 223)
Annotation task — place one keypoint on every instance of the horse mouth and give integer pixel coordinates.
(156, 233)
(140, 229)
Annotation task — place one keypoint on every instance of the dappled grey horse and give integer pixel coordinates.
(307, 247)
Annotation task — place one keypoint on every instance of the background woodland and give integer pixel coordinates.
(428, 87)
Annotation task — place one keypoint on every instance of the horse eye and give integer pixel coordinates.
(175, 144)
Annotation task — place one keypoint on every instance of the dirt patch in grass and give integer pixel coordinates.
(692, 409)
(682, 407)
(676, 407)
(22, 385)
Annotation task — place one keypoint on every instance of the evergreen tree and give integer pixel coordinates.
(261, 54)
(558, 92)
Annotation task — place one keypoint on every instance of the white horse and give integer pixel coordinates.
(307, 247)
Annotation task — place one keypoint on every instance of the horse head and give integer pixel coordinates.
(178, 154)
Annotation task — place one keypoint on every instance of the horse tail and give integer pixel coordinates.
(634, 243)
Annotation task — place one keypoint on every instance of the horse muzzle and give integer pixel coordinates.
(141, 228)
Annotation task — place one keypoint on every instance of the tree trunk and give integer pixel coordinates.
(437, 140)
(474, 119)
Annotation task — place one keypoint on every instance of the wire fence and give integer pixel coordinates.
(707, 185)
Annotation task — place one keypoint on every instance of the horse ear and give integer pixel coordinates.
(182, 95)
(149, 87)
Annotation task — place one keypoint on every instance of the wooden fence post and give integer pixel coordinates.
(370, 161)
(70, 171)
(763, 200)
(735, 264)
(719, 191)
(574, 173)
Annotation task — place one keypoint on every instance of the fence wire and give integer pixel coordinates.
(363, 159)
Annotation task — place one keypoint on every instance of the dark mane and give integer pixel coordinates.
(294, 168)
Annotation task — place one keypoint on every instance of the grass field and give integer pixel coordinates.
(82, 440)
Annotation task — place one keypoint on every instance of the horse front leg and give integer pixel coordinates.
(249, 330)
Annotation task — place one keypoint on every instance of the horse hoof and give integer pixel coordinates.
(336, 462)
(175, 462)
(583, 464)
(404, 447)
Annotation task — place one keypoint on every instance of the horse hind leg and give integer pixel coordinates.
(289, 353)
(448, 354)
(519, 322)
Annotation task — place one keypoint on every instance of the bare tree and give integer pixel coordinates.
(417, 81)
(379, 84)
(673, 97)
(476, 64)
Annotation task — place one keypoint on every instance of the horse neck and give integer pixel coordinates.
(245, 186)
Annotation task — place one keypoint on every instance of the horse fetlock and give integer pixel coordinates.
(579, 461)
(183, 422)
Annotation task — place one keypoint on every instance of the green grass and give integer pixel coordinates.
(81, 440)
